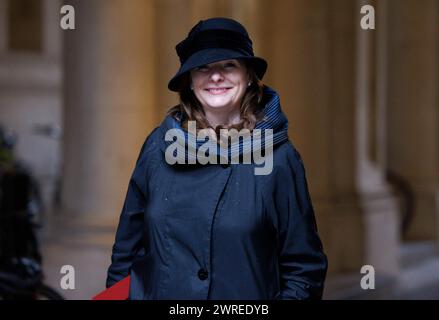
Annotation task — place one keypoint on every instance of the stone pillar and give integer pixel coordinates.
(51, 28)
(109, 101)
(413, 121)
(248, 12)
(30, 85)
(298, 50)
(205, 9)
(3, 26)
(174, 24)
(378, 204)
(320, 61)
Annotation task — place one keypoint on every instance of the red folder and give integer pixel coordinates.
(118, 291)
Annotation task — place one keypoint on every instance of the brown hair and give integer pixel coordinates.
(190, 109)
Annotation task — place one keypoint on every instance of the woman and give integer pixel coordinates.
(193, 229)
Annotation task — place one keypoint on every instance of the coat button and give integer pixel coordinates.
(202, 274)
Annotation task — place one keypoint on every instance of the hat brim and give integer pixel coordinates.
(207, 56)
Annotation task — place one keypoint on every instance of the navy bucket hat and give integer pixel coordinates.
(214, 40)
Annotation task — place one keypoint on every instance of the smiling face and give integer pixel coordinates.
(220, 86)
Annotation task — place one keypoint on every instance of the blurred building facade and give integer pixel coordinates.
(31, 85)
(363, 106)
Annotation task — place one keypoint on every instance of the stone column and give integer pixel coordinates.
(30, 98)
(248, 12)
(378, 204)
(413, 118)
(109, 101)
(51, 28)
(174, 24)
(3, 26)
(320, 62)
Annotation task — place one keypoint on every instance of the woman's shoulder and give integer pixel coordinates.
(150, 148)
(154, 144)
(287, 155)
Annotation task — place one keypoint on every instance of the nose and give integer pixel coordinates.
(216, 75)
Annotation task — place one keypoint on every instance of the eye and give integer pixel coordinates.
(202, 68)
(230, 65)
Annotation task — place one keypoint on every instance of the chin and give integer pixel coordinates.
(217, 104)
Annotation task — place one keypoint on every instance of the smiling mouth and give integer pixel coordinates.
(217, 90)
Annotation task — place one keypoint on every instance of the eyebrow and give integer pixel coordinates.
(223, 62)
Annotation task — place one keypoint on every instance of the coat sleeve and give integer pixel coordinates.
(128, 240)
(302, 262)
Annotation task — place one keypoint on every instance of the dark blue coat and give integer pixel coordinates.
(219, 231)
